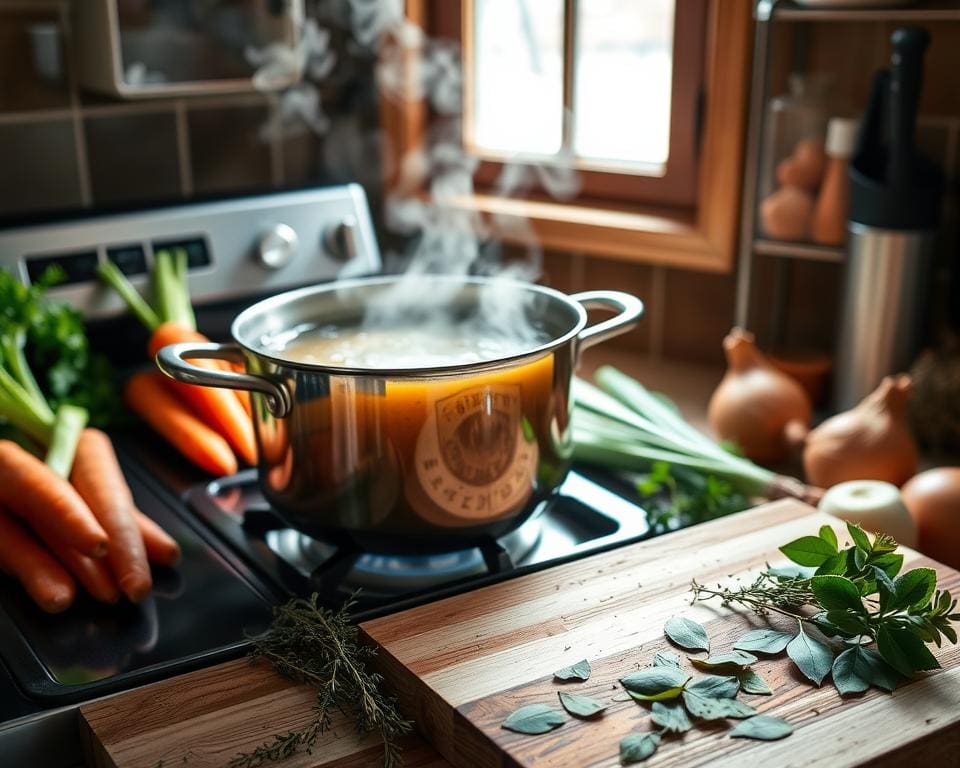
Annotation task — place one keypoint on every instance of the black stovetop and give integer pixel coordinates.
(240, 559)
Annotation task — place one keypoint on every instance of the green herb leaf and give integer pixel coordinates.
(637, 747)
(654, 680)
(889, 563)
(581, 706)
(670, 716)
(903, 650)
(707, 708)
(860, 558)
(870, 666)
(790, 572)
(811, 551)
(666, 659)
(665, 695)
(914, 588)
(715, 687)
(533, 719)
(726, 662)
(751, 682)
(837, 592)
(579, 671)
(812, 657)
(768, 641)
(859, 537)
(835, 565)
(763, 728)
(846, 622)
(687, 633)
(827, 534)
(845, 675)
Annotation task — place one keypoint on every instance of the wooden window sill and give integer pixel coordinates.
(649, 235)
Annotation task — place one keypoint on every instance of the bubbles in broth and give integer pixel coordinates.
(402, 347)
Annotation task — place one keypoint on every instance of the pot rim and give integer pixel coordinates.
(437, 371)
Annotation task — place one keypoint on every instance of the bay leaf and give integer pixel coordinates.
(870, 666)
(687, 633)
(637, 747)
(903, 650)
(579, 671)
(533, 719)
(581, 706)
(729, 663)
(845, 676)
(751, 682)
(654, 680)
(813, 658)
(716, 687)
(666, 659)
(763, 728)
(671, 716)
(669, 693)
(768, 641)
(707, 708)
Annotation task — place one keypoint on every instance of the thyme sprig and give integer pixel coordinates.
(319, 647)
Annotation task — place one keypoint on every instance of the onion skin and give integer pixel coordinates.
(869, 442)
(933, 498)
(756, 406)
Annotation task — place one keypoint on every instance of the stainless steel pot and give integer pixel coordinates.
(409, 459)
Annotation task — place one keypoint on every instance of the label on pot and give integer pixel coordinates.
(473, 457)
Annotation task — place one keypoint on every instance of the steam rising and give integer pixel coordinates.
(446, 237)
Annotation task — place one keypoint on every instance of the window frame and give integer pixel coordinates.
(700, 235)
(599, 179)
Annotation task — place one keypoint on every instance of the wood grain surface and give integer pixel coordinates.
(463, 664)
(205, 718)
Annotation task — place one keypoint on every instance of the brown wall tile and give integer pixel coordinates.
(38, 167)
(133, 158)
(226, 152)
(697, 314)
(22, 87)
(613, 274)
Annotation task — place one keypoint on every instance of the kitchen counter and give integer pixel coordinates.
(460, 665)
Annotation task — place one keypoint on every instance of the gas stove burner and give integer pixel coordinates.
(403, 572)
(587, 514)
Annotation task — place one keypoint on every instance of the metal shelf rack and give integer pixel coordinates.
(766, 12)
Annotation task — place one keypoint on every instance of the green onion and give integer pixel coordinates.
(624, 426)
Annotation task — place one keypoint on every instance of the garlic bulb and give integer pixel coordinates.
(869, 442)
(756, 406)
(873, 504)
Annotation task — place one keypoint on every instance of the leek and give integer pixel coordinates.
(622, 425)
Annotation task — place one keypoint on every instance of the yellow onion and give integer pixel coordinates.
(933, 498)
(757, 407)
(869, 442)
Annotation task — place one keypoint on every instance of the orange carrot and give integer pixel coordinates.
(162, 549)
(98, 478)
(93, 575)
(22, 557)
(219, 408)
(147, 394)
(30, 489)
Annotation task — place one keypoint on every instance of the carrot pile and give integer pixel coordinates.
(210, 427)
(69, 518)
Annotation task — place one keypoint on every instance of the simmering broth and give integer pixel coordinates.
(455, 452)
(402, 347)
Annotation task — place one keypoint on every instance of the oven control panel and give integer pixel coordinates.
(234, 248)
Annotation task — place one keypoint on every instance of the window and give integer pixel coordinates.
(590, 84)
(646, 99)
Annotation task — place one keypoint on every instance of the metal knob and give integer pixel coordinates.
(277, 247)
(340, 240)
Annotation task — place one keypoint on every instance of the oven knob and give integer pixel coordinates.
(340, 240)
(277, 247)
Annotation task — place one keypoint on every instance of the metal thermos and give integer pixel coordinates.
(894, 212)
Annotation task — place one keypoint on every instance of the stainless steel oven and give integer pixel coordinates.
(153, 48)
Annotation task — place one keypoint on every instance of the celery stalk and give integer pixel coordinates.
(69, 422)
(110, 274)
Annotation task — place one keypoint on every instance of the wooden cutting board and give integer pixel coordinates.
(462, 664)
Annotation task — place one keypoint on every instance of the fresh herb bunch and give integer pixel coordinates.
(313, 645)
(675, 497)
(854, 596)
(55, 345)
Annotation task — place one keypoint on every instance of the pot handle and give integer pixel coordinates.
(629, 311)
(171, 360)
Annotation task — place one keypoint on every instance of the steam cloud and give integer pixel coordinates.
(447, 238)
